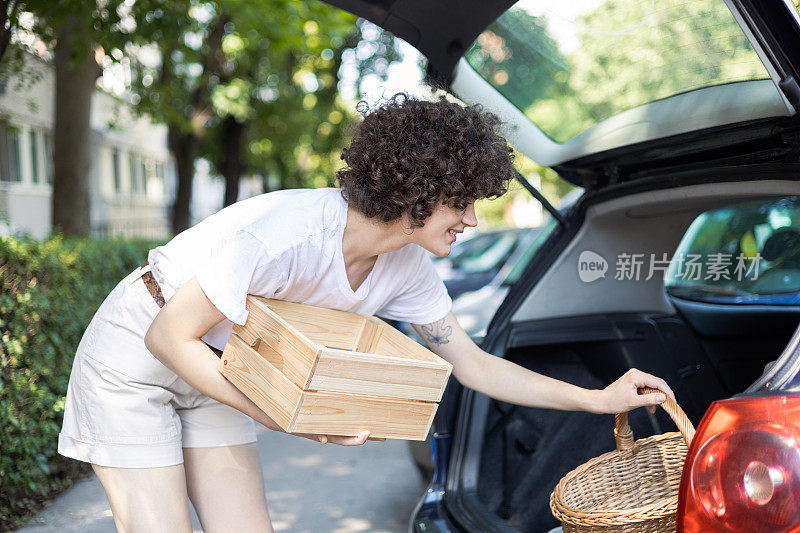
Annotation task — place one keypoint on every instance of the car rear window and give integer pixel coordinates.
(747, 253)
(571, 64)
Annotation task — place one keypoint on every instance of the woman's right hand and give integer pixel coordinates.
(337, 439)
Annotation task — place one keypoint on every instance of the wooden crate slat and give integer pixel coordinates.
(291, 351)
(326, 327)
(378, 375)
(351, 414)
(300, 411)
(393, 341)
(368, 336)
(264, 384)
(393, 357)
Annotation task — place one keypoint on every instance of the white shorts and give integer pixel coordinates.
(123, 407)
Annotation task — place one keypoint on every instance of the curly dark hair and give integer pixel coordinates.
(408, 155)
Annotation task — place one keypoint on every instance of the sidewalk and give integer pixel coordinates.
(376, 489)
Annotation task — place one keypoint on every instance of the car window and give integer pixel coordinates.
(491, 257)
(747, 253)
(472, 247)
(527, 250)
(569, 65)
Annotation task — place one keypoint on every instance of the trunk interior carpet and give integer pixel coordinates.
(526, 451)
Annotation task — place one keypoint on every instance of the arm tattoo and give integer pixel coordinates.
(437, 333)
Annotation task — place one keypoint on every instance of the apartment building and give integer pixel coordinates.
(132, 173)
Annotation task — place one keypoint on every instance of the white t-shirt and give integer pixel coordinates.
(288, 245)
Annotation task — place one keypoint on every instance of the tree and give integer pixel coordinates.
(76, 30)
(302, 148)
(251, 86)
(187, 37)
(9, 19)
(519, 57)
(628, 55)
(279, 98)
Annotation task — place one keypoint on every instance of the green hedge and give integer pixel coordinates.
(49, 291)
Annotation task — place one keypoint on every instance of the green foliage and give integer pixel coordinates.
(567, 75)
(654, 54)
(492, 213)
(629, 56)
(85, 24)
(272, 65)
(48, 293)
(520, 57)
(285, 93)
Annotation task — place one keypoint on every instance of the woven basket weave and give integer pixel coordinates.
(633, 489)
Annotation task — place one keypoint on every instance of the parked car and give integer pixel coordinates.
(475, 309)
(476, 261)
(482, 258)
(664, 112)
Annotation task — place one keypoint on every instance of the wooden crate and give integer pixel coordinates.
(316, 370)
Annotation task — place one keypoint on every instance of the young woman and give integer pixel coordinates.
(146, 405)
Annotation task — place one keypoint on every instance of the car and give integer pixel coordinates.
(480, 259)
(665, 113)
(476, 261)
(474, 310)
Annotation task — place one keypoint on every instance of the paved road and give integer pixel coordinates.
(310, 488)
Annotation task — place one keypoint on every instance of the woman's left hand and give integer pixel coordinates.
(358, 440)
(622, 396)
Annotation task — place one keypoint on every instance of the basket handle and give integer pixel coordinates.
(622, 431)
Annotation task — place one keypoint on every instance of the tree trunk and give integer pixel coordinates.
(72, 134)
(232, 165)
(7, 16)
(184, 147)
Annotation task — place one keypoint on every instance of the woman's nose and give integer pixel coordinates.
(469, 218)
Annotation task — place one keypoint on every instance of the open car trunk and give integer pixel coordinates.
(526, 451)
(589, 334)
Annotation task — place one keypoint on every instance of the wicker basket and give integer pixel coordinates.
(633, 489)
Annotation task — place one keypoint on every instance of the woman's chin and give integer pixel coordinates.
(444, 252)
(439, 250)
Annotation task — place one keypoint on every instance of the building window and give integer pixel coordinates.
(48, 158)
(14, 168)
(159, 178)
(133, 171)
(115, 171)
(36, 167)
(143, 170)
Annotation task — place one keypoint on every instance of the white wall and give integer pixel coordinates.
(27, 203)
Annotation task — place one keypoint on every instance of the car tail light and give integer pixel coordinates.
(742, 471)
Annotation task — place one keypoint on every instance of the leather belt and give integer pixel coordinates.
(155, 291)
(152, 287)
